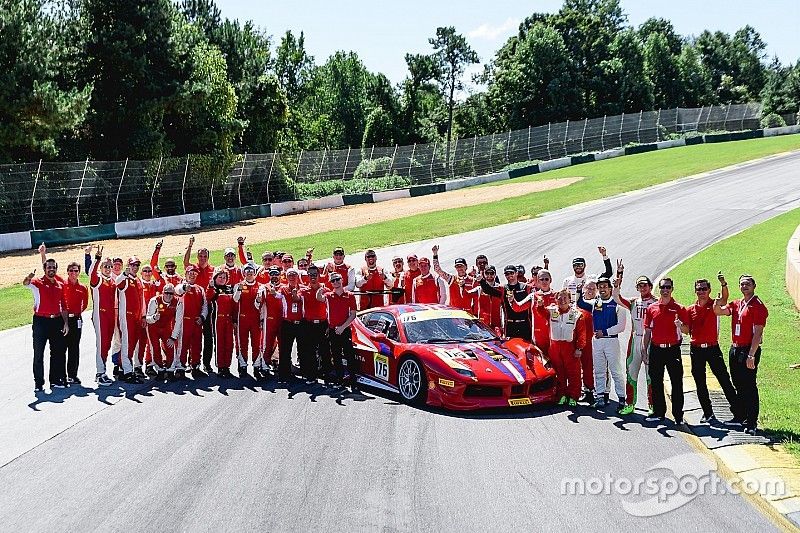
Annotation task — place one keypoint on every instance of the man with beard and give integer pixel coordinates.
(372, 279)
(427, 288)
(541, 298)
(314, 329)
(347, 272)
(410, 275)
(270, 300)
(397, 281)
(575, 282)
(459, 284)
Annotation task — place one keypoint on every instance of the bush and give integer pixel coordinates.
(773, 120)
(372, 167)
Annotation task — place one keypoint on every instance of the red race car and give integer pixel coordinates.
(442, 356)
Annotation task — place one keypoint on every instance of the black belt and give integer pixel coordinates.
(294, 321)
(609, 337)
(705, 345)
(516, 321)
(48, 316)
(316, 321)
(665, 346)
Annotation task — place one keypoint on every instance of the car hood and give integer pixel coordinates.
(489, 361)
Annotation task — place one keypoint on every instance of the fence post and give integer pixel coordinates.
(708, 116)
(433, 158)
(452, 163)
(474, 145)
(153, 191)
(347, 160)
(269, 176)
(239, 184)
(549, 155)
(322, 163)
(183, 186)
(639, 129)
(603, 136)
(621, 123)
(528, 151)
(33, 194)
(583, 135)
(80, 189)
(119, 188)
(727, 112)
(566, 132)
(658, 126)
(741, 125)
(411, 159)
(391, 165)
(491, 154)
(508, 147)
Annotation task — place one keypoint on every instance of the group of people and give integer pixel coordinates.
(156, 322)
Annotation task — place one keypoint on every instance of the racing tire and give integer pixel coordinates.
(411, 381)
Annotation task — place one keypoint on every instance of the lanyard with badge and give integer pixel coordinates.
(743, 305)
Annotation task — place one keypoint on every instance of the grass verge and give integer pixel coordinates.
(602, 179)
(779, 386)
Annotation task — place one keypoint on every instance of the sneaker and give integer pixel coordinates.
(562, 400)
(117, 373)
(571, 402)
(680, 422)
(708, 419)
(654, 418)
(600, 403)
(207, 369)
(587, 396)
(58, 384)
(256, 372)
(311, 382)
(650, 410)
(734, 422)
(73, 381)
(242, 371)
(132, 378)
(151, 371)
(103, 380)
(139, 372)
(750, 431)
(625, 410)
(38, 388)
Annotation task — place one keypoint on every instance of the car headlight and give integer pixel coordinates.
(465, 372)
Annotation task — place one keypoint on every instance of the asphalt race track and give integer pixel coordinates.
(208, 455)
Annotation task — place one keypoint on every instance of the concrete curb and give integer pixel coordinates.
(60, 236)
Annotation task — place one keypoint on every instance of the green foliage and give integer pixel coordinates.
(772, 120)
(380, 129)
(368, 168)
(661, 68)
(35, 106)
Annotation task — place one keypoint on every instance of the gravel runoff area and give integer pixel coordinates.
(18, 264)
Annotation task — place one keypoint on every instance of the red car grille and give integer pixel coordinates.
(483, 391)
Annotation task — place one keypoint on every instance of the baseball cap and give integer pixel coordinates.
(644, 279)
(266, 255)
(338, 250)
(230, 251)
(520, 269)
(579, 261)
(292, 272)
(117, 260)
(192, 268)
(424, 260)
(274, 271)
(132, 260)
(461, 261)
(491, 268)
(411, 256)
(335, 276)
(603, 279)
(509, 269)
(217, 272)
(169, 261)
(249, 266)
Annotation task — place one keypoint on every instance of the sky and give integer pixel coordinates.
(383, 32)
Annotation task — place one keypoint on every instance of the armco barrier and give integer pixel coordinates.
(60, 236)
(793, 267)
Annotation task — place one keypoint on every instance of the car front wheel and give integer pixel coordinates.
(411, 381)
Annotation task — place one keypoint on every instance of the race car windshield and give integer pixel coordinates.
(444, 330)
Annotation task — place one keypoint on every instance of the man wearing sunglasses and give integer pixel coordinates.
(703, 327)
(314, 329)
(459, 284)
(160, 317)
(77, 300)
(271, 301)
(50, 325)
(428, 288)
(748, 319)
(104, 296)
(575, 282)
(205, 271)
(131, 319)
(489, 303)
(661, 346)
(397, 281)
(341, 313)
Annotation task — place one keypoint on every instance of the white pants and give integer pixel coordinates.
(606, 355)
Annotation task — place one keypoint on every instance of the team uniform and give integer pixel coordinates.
(371, 280)
(488, 304)
(49, 304)
(248, 325)
(745, 315)
(160, 325)
(222, 314)
(540, 323)
(77, 300)
(291, 331)
(187, 332)
(315, 328)
(665, 354)
(637, 307)
(428, 289)
(567, 333)
(271, 315)
(408, 284)
(609, 319)
(104, 297)
(341, 345)
(131, 313)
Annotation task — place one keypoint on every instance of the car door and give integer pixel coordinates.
(380, 364)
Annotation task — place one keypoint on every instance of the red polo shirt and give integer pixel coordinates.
(703, 324)
(77, 298)
(48, 296)
(292, 311)
(313, 309)
(660, 319)
(204, 275)
(339, 307)
(746, 315)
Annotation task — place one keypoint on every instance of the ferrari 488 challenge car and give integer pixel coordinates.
(442, 356)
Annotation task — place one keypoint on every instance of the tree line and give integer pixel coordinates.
(138, 79)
